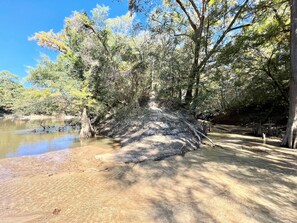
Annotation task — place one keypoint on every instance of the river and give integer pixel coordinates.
(22, 138)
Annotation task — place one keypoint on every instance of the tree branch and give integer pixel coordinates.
(239, 27)
(98, 36)
(228, 29)
(182, 34)
(187, 14)
(196, 9)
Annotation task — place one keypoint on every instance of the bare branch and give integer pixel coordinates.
(187, 14)
(196, 9)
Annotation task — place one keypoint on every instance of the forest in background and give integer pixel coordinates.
(214, 57)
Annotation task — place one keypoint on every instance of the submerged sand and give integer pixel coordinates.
(242, 181)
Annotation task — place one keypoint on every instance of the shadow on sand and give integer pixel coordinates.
(243, 181)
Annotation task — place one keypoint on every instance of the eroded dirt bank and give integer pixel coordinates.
(244, 181)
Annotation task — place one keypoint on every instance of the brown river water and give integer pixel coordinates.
(22, 138)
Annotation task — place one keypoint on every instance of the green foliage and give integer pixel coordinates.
(101, 66)
(10, 89)
(106, 63)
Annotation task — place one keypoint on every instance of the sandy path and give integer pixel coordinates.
(251, 183)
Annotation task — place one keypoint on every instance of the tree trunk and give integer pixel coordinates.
(180, 93)
(86, 130)
(197, 86)
(152, 74)
(194, 72)
(290, 138)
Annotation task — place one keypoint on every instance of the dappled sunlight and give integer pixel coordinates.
(156, 133)
(229, 183)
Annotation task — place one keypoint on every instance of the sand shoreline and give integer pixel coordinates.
(55, 161)
(256, 183)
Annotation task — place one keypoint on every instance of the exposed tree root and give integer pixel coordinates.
(197, 133)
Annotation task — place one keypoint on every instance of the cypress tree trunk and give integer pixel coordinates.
(86, 130)
(290, 138)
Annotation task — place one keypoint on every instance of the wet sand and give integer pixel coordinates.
(242, 181)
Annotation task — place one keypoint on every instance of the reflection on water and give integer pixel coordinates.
(19, 138)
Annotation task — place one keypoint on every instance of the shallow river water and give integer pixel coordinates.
(21, 138)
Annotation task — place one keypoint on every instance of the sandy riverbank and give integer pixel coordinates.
(242, 182)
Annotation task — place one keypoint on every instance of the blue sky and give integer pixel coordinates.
(20, 19)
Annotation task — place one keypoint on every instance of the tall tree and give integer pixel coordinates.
(290, 138)
(208, 23)
(76, 44)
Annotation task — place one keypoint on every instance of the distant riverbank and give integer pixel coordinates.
(37, 117)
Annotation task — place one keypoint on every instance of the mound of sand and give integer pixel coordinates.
(155, 133)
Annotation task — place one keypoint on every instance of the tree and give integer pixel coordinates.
(53, 91)
(75, 43)
(10, 89)
(290, 138)
(207, 25)
(100, 58)
(258, 60)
